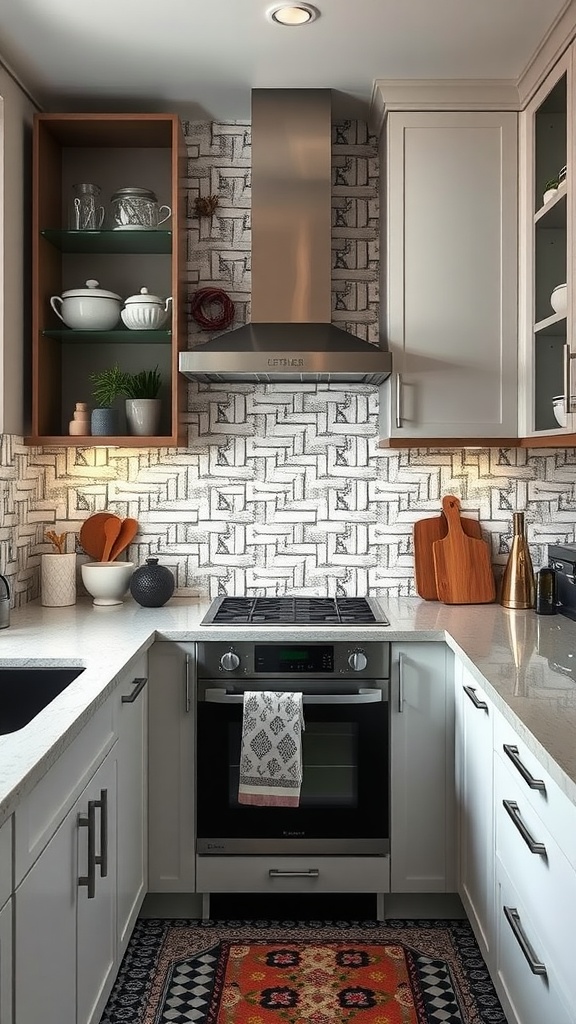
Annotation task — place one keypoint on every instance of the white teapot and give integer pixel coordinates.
(144, 312)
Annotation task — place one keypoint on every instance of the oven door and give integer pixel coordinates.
(344, 796)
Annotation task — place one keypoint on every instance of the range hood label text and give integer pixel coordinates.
(285, 362)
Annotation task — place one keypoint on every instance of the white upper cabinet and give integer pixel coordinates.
(449, 265)
(547, 144)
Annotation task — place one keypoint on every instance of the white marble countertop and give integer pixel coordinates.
(524, 661)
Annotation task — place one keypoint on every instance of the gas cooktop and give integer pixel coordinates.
(298, 611)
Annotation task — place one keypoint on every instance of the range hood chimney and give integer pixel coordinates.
(290, 338)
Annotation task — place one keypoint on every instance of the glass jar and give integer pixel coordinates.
(84, 213)
(137, 209)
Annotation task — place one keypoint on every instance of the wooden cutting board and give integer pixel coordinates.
(426, 531)
(462, 564)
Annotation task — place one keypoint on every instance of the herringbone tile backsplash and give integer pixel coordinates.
(278, 490)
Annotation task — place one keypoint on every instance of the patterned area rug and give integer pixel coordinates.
(260, 972)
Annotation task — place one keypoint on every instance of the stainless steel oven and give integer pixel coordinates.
(344, 800)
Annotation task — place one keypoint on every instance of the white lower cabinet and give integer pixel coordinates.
(422, 768)
(6, 963)
(80, 863)
(66, 913)
(525, 978)
(6, 910)
(474, 806)
(132, 726)
(171, 815)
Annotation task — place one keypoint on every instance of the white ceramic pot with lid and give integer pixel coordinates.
(88, 309)
(145, 312)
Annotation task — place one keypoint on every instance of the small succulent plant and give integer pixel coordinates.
(145, 384)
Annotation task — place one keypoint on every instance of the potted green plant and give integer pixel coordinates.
(550, 187)
(142, 401)
(107, 386)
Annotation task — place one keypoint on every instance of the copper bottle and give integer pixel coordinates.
(518, 579)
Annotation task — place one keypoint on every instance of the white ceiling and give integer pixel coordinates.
(202, 57)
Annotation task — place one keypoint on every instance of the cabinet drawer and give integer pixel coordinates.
(5, 861)
(544, 879)
(527, 998)
(310, 874)
(557, 812)
(39, 815)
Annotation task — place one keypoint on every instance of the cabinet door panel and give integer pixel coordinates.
(172, 860)
(132, 723)
(452, 274)
(474, 728)
(422, 768)
(6, 964)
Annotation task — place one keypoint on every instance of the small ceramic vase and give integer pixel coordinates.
(58, 580)
(152, 584)
(80, 422)
(104, 422)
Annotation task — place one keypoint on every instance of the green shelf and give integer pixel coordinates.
(110, 241)
(126, 336)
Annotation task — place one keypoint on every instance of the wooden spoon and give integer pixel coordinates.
(111, 531)
(128, 530)
(92, 536)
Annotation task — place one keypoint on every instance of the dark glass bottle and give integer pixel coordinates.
(546, 592)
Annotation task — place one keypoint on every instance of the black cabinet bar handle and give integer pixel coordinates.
(512, 809)
(102, 858)
(278, 873)
(89, 822)
(514, 755)
(471, 693)
(513, 918)
(139, 683)
(187, 692)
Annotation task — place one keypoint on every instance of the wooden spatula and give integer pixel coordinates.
(111, 531)
(426, 531)
(462, 564)
(128, 530)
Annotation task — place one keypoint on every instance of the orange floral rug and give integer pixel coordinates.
(315, 984)
(274, 972)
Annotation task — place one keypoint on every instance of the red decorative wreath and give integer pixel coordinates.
(212, 309)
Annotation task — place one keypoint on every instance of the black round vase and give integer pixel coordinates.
(152, 584)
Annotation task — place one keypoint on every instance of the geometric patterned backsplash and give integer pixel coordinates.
(279, 490)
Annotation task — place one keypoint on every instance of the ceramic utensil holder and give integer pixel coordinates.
(58, 580)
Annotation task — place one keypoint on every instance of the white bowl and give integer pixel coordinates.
(144, 318)
(88, 309)
(107, 582)
(559, 299)
(558, 407)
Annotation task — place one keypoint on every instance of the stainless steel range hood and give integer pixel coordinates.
(290, 338)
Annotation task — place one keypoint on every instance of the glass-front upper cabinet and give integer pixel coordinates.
(546, 259)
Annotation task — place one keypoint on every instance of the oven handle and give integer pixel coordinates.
(362, 697)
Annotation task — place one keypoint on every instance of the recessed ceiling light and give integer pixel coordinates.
(293, 14)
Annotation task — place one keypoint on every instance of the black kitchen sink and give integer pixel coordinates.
(26, 691)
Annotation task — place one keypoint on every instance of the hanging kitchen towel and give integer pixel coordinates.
(271, 750)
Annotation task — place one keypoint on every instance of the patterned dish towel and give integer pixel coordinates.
(271, 750)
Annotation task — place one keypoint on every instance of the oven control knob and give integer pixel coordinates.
(358, 661)
(229, 661)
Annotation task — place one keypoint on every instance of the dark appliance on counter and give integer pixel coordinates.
(344, 798)
(562, 558)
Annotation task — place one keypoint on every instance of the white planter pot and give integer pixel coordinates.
(143, 416)
(58, 580)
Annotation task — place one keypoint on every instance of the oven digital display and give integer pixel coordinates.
(288, 659)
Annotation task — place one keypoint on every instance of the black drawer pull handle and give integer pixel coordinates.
(512, 809)
(514, 755)
(513, 918)
(471, 693)
(139, 684)
(278, 873)
(89, 822)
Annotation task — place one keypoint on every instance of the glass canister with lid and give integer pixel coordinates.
(136, 209)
